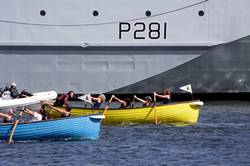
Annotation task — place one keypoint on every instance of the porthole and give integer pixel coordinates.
(148, 13)
(201, 13)
(42, 13)
(95, 13)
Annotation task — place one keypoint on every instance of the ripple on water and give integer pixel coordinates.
(220, 138)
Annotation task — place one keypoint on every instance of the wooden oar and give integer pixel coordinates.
(106, 107)
(5, 137)
(156, 122)
(14, 128)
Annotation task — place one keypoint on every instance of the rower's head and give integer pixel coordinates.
(71, 94)
(148, 99)
(102, 97)
(68, 108)
(166, 91)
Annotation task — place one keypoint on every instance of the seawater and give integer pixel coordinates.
(221, 137)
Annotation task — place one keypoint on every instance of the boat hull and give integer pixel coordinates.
(84, 127)
(29, 100)
(184, 112)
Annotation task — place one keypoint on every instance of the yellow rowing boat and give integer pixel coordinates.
(182, 112)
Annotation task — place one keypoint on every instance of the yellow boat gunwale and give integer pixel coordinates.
(129, 108)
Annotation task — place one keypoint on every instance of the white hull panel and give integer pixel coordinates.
(19, 102)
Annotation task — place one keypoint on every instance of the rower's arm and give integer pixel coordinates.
(119, 100)
(96, 99)
(162, 96)
(139, 99)
(28, 111)
(58, 110)
(5, 116)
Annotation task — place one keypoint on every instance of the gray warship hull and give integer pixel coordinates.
(89, 48)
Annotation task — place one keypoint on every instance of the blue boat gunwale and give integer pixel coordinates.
(49, 120)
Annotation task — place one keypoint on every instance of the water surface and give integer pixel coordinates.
(222, 137)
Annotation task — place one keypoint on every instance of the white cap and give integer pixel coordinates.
(13, 84)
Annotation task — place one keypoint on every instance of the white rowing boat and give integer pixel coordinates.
(19, 102)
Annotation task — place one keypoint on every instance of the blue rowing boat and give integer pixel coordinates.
(84, 127)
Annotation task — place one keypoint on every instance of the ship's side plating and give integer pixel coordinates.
(223, 69)
(124, 46)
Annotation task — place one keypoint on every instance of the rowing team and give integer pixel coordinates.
(38, 115)
(64, 100)
(97, 101)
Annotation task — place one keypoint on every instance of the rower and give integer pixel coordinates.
(98, 101)
(166, 96)
(64, 113)
(9, 117)
(65, 100)
(146, 102)
(36, 116)
(124, 103)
